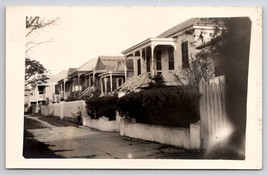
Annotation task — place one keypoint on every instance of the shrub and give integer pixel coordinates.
(156, 81)
(76, 95)
(170, 106)
(102, 106)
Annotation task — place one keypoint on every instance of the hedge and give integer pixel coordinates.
(170, 106)
(102, 106)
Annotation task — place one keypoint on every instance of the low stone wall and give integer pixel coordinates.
(103, 124)
(69, 111)
(188, 138)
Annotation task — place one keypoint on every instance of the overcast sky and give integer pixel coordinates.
(80, 35)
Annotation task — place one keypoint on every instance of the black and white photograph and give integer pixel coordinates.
(137, 87)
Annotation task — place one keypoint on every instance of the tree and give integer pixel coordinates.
(34, 70)
(200, 66)
(34, 24)
(229, 48)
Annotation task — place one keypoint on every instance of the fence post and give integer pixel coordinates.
(203, 113)
(61, 105)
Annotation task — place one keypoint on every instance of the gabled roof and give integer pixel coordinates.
(121, 65)
(89, 65)
(108, 63)
(62, 74)
(53, 78)
(71, 70)
(184, 25)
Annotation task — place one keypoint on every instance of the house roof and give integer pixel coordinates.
(71, 70)
(53, 78)
(62, 74)
(168, 36)
(89, 65)
(121, 65)
(184, 25)
(108, 63)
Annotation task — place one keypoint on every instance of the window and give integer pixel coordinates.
(41, 90)
(158, 60)
(185, 61)
(138, 66)
(171, 58)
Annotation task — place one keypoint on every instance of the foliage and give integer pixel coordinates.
(157, 80)
(96, 92)
(102, 106)
(74, 96)
(34, 72)
(199, 67)
(170, 106)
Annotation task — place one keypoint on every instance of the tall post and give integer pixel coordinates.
(125, 68)
(106, 86)
(94, 79)
(101, 85)
(110, 76)
(135, 65)
(152, 60)
(79, 84)
(64, 88)
(141, 57)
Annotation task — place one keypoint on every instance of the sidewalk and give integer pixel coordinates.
(72, 141)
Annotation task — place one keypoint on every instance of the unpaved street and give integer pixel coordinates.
(61, 139)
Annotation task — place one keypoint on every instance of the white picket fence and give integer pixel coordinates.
(212, 111)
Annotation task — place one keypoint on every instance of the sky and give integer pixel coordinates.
(79, 35)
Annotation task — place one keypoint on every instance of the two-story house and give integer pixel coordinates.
(167, 53)
(43, 92)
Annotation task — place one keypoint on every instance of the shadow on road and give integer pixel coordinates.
(33, 148)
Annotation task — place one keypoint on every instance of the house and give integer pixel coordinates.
(115, 74)
(43, 92)
(167, 53)
(105, 73)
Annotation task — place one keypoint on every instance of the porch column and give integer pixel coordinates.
(64, 88)
(152, 60)
(72, 84)
(94, 79)
(125, 68)
(106, 86)
(174, 56)
(110, 76)
(85, 81)
(101, 85)
(89, 79)
(79, 84)
(141, 57)
(135, 65)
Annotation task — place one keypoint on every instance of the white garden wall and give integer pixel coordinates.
(65, 110)
(102, 124)
(188, 138)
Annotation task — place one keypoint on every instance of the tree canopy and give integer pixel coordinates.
(34, 70)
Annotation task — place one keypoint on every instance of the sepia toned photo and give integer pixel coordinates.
(137, 84)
